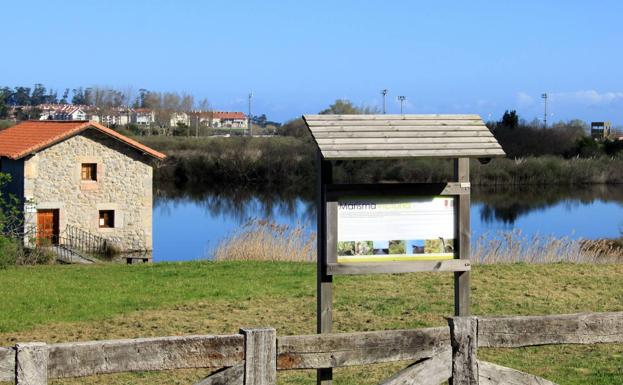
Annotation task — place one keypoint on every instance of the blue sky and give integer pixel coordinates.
(298, 56)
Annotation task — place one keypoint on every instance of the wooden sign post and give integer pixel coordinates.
(369, 209)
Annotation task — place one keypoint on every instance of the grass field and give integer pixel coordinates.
(73, 303)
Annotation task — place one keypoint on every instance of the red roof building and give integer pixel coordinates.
(34, 135)
(226, 115)
(79, 177)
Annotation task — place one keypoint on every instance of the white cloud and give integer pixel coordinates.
(524, 100)
(587, 97)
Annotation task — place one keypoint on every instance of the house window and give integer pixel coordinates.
(89, 171)
(107, 219)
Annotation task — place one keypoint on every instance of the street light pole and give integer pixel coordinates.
(250, 119)
(402, 99)
(384, 93)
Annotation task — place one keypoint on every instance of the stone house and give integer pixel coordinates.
(82, 175)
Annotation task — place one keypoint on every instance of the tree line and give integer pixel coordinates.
(23, 102)
(98, 96)
(567, 139)
(518, 137)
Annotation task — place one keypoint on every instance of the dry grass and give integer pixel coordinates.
(514, 246)
(263, 240)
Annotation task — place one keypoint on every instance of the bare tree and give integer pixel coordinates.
(204, 111)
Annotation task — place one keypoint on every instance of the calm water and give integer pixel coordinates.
(187, 227)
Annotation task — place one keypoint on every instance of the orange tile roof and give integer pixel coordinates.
(229, 115)
(34, 135)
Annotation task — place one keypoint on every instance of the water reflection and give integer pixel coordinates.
(502, 204)
(506, 205)
(188, 224)
(240, 204)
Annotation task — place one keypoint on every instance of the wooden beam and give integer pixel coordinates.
(438, 145)
(394, 267)
(260, 366)
(324, 281)
(402, 140)
(585, 328)
(384, 117)
(7, 364)
(430, 371)
(463, 240)
(79, 359)
(31, 364)
(472, 133)
(347, 349)
(404, 154)
(464, 341)
(398, 126)
(492, 374)
(233, 375)
(336, 191)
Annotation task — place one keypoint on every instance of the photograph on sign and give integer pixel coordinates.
(374, 229)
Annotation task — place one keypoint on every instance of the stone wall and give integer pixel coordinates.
(52, 180)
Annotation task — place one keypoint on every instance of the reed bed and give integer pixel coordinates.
(514, 246)
(263, 240)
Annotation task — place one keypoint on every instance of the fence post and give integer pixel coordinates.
(464, 341)
(260, 355)
(31, 364)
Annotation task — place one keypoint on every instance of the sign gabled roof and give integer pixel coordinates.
(34, 135)
(402, 136)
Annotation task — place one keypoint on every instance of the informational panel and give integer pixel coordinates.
(375, 229)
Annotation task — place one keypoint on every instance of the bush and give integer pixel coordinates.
(9, 250)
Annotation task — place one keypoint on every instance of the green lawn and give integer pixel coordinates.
(70, 303)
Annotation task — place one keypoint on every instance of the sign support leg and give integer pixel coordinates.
(462, 279)
(324, 282)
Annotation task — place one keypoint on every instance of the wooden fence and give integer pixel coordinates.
(254, 356)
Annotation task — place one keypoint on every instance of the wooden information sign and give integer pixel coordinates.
(391, 227)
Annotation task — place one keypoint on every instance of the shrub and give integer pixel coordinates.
(9, 250)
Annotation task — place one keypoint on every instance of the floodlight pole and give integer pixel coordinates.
(402, 99)
(544, 97)
(384, 93)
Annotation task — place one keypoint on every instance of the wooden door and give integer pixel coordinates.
(48, 229)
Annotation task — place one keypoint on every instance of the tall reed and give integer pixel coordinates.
(265, 240)
(514, 246)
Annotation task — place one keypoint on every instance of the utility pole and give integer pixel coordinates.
(402, 100)
(384, 93)
(544, 96)
(250, 119)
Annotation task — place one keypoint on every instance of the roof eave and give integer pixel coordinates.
(495, 152)
(88, 124)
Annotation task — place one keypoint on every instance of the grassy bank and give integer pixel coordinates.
(287, 162)
(70, 303)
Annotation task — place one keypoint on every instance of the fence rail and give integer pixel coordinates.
(83, 241)
(254, 355)
(72, 245)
